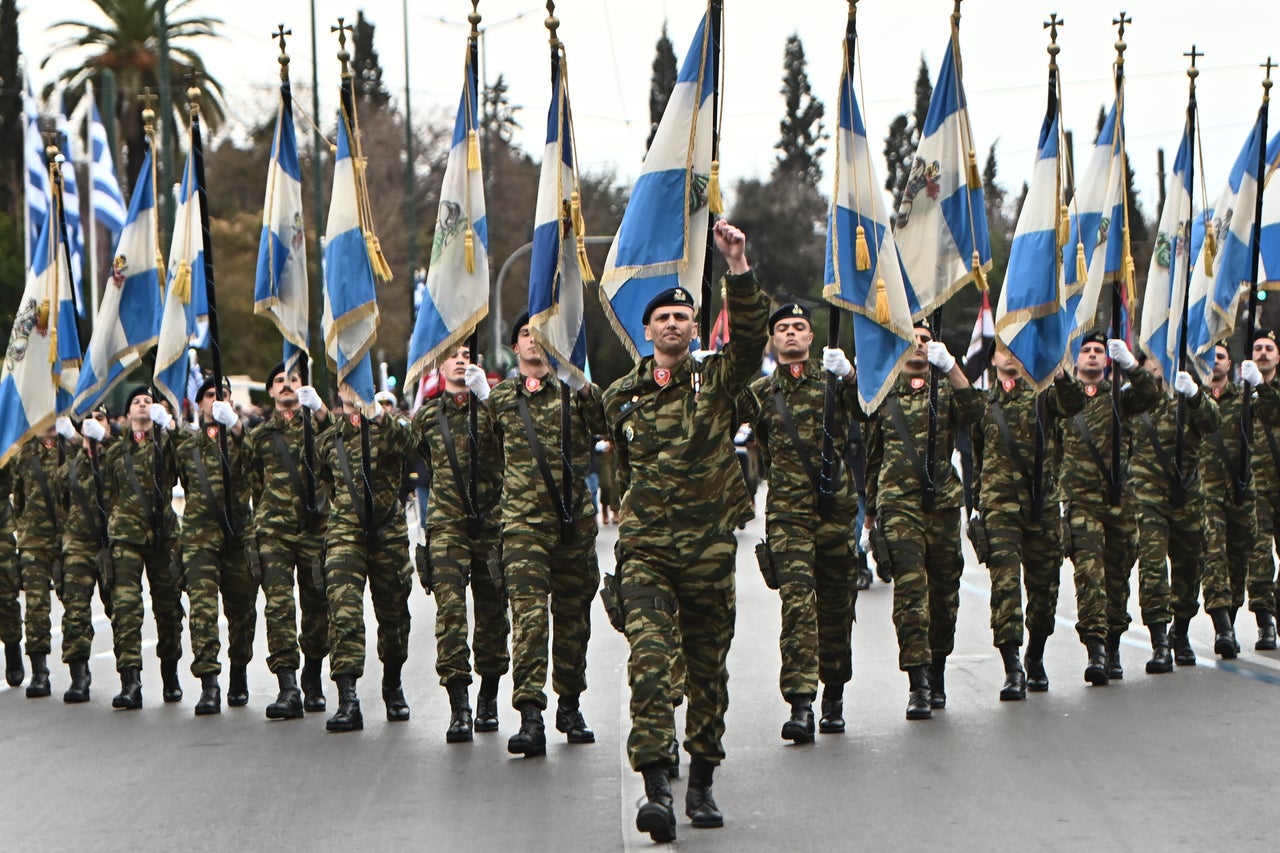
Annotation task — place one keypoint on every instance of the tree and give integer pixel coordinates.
(366, 68)
(1000, 225)
(801, 127)
(497, 112)
(662, 82)
(10, 109)
(900, 144)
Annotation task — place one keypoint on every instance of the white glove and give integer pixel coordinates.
(1119, 352)
(64, 428)
(159, 416)
(700, 355)
(224, 414)
(834, 360)
(602, 446)
(1185, 385)
(864, 540)
(742, 436)
(936, 352)
(477, 382)
(308, 397)
(93, 430)
(1250, 373)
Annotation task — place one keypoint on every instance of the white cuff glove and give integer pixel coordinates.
(1119, 352)
(864, 540)
(1185, 385)
(224, 414)
(834, 360)
(700, 355)
(477, 382)
(308, 397)
(602, 446)
(64, 428)
(1250, 373)
(93, 430)
(159, 416)
(936, 352)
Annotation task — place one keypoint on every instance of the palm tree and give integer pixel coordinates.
(129, 45)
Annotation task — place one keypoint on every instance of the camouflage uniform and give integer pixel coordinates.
(536, 562)
(458, 559)
(1102, 539)
(682, 498)
(812, 556)
(39, 518)
(924, 541)
(1265, 461)
(83, 537)
(214, 560)
(140, 474)
(1024, 528)
(289, 537)
(10, 611)
(349, 560)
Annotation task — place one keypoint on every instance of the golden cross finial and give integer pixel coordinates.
(342, 29)
(279, 35)
(1052, 26)
(553, 23)
(148, 99)
(1193, 72)
(1266, 81)
(1121, 22)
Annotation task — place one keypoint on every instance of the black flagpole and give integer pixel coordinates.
(714, 22)
(1246, 409)
(1179, 488)
(473, 342)
(1116, 484)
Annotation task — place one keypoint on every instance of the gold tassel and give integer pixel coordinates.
(862, 255)
(979, 277)
(182, 283)
(473, 151)
(160, 275)
(1130, 279)
(373, 246)
(469, 250)
(975, 180)
(580, 236)
(1064, 226)
(715, 203)
(882, 303)
(1210, 249)
(1082, 265)
(584, 263)
(53, 345)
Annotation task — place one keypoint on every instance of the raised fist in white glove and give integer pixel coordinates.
(224, 414)
(1250, 373)
(1119, 352)
(834, 360)
(700, 355)
(936, 352)
(308, 397)
(64, 428)
(159, 416)
(1185, 385)
(93, 430)
(477, 383)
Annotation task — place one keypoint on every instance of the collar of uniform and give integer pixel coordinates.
(1229, 391)
(1010, 387)
(906, 385)
(810, 368)
(544, 382)
(678, 373)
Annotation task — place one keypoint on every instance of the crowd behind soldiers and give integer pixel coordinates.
(308, 505)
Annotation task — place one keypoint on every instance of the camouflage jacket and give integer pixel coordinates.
(39, 525)
(674, 443)
(891, 477)
(1081, 480)
(447, 494)
(525, 498)
(6, 501)
(791, 489)
(84, 513)
(1222, 457)
(206, 512)
(279, 502)
(390, 443)
(1152, 480)
(143, 502)
(1264, 456)
(1001, 484)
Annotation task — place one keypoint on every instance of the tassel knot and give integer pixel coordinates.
(715, 202)
(1064, 226)
(473, 151)
(182, 283)
(469, 250)
(862, 254)
(979, 277)
(1082, 265)
(381, 270)
(1210, 249)
(882, 303)
(975, 180)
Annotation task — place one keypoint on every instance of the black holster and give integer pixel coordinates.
(977, 531)
(767, 568)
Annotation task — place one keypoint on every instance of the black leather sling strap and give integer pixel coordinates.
(206, 488)
(531, 433)
(1082, 427)
(37, 471)
(357, 495)
(451, 451)
(802, 450)
(295, 476)
(97, 526)
(1175, 478)
(899, 419)
(1002, 424)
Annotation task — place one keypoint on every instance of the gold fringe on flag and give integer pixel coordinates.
(979, 277)
(975, 180)
(715, 202)
(1064, 226)
(1210, 249)
(469, 250)
(182, 283)
(1082, 265)
(473, 151)
(862, 254)
(882, 303)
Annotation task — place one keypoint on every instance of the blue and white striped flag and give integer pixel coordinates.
(457, 293)
(106, 198)
(350, 320)
(1159, 335)
(280, 289)
(36, 180)
(186, 301)
(1031, 317)
(555, 276)
(1269, 260)
(662, 240)
(874, 291)
(941, 223)
(71, 212)
(42, 361)
(128, 322)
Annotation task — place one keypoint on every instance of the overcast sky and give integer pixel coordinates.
(610, 46)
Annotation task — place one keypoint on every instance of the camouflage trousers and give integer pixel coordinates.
(458, 563)
(79, 583)
(348, 563)
(537, 568)
(679, 602)
(1171, 545)
(1263, 562)
(814, 565)
(1103, 547)
(214, 567)
(924, 548)
(37, 566)
(131, 563)
(1231, 532)
(282, 554)
(10, 610)
(1024, 551)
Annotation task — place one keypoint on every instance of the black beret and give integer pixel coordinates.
(791, 309)
(1270, 334)
(1094, 337)
(300, 366)
(141, 390)
(520, 323)
(208, 385)
(673, 296)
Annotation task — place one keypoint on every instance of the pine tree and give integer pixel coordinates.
(662, 82)
(801, 127)
(900, 145)
(367, 68)
(10, 109)
(499, 116)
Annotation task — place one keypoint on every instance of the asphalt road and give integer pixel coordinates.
(1171, 761)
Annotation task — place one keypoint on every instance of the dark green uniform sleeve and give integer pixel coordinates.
(748, 308)
(1065, 397)
(1206, 417)
(970, 405)
(1141, 395)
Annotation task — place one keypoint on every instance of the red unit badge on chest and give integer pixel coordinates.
(662, 376)
(532, 384)
(797, 369)
(917, 383)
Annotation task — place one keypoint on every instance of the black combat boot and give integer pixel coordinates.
(288, 704)
(699, 806)
(1015, 679)
(1180, 642)
(1266, 633)
(14, 670)
(938, 684)
(799, 728)
(312, 685)
(832, 721)
(863, 570)
(1115, 671)
(459, 730)
(38, 686)
(210, 701)
(238, 686)
(169, 680)
(487, 704)
(80, 679)
(1224, 641)
(570, 723)
(657, 814)
(393, 693)
(1096, 672)
(531, 740)
(348, 717)
(1161, 659)
(1037, 678)
(918, 707)
(130, 695)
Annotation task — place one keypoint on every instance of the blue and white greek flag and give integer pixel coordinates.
(457, 294)
(1269, 260)
(942, 219)
(1159, 334)
(106, 198)
(884, 342)
(128, 322)
(71, 213)
(662, 240)
(36, 180)
(186, 301)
